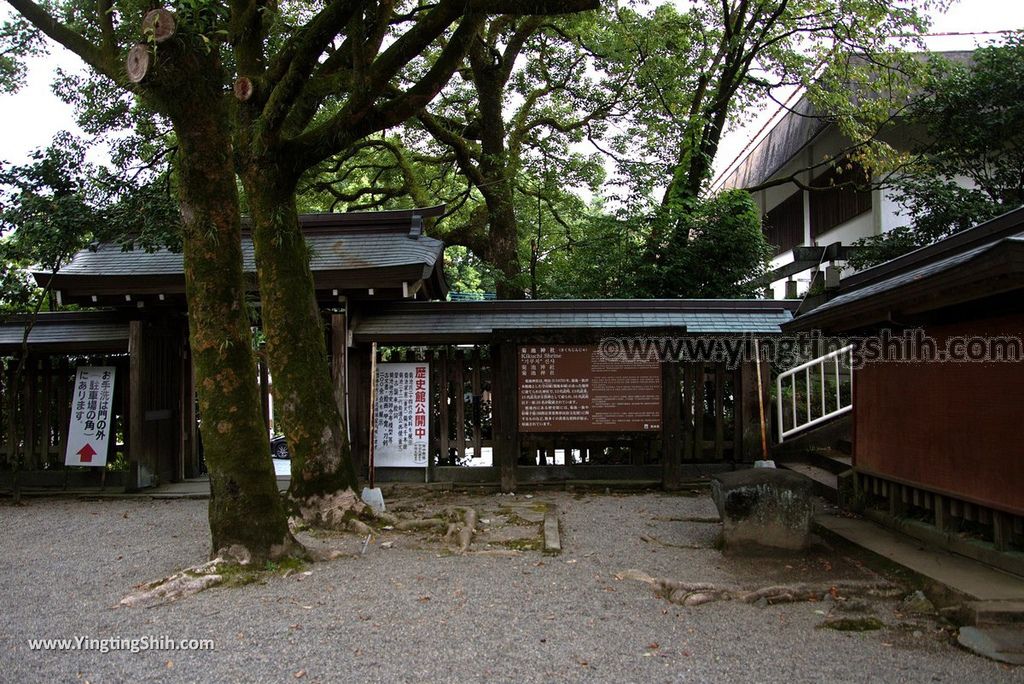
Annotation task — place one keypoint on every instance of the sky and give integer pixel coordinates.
(33, 116)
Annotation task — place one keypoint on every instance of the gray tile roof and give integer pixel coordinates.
(920, 273)
(61, 332)
(710, 322)
(330, 253)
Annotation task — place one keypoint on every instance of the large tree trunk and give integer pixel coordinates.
(246, 509)
(304, 400)
(498, 171)
(504, 244)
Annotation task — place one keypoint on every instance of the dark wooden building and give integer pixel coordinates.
(380, 281)
(938, 413)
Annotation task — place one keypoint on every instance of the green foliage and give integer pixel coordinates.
(698, 67)
(972, 118)
(715, 250)
(46, 215)
(18, 40)
(711, 250)
(58, 203)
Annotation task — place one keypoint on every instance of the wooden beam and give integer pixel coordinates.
(671, 426)
(135, 411)
(505, 418)
(458, 379)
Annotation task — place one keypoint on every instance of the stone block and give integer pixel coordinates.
(763, 508)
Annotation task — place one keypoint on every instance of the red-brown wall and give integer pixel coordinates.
(953, 428)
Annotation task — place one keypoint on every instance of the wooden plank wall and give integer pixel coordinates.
(43, 408)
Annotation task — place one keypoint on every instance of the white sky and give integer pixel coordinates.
(33, 116)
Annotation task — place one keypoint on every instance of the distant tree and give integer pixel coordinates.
(971, 167)
(714, 250)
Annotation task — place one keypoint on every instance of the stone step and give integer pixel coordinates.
(826, 483)
(845, 446)
(833, 460)
(984, 613)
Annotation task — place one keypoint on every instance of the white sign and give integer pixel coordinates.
(91, 417)
(402, 410)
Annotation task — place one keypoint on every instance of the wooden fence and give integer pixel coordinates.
(35, 436)
(464, 392)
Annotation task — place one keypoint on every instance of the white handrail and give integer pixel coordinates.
(835, 357)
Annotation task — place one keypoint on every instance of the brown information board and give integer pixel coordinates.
(573, 388)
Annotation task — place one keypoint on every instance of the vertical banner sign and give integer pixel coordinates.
(91, 416)
(402, 407)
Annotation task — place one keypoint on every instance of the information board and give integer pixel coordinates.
(573, 388)
(91, 418)
(402, 409)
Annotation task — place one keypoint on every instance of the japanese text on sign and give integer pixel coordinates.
(401, 411)
(91, 417)
(573, 388)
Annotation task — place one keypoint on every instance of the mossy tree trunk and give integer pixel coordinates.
(304, 400)
(246, 509)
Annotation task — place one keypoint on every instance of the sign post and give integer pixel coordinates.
(91, 417)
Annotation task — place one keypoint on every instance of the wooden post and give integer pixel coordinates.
(64, 409)
(443, 395)
(749, 412)
(339, 347)
(459, 381)
(719, 412)
(188, 467)
(358, 405)
(28, 414)
(698, 413)
(434, 433)
(477, 392)
(505, 406)
(943, 519)
(687, 428)
(46, 404)
(1001, 529)
(737, 422)
(671, 426)
(135, 415)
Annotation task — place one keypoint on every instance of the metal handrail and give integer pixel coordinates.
(805, 368)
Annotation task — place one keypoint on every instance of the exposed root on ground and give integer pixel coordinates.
(651, 539)
(698, 593)
(179, 585)
(463, 530)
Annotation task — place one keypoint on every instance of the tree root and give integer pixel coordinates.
(184, 583)
(463, 530)
(698, 593)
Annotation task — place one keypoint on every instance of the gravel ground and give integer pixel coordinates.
(416, 613)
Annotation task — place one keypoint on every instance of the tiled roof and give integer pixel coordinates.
(64, 331)
(329, 253)
(481, 320)
(925, 271)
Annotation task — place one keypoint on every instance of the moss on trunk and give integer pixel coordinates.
(246, 508)
(304, 399)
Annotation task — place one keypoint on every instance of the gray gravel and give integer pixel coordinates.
(411, 614)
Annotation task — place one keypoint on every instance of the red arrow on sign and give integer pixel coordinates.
(87, 452)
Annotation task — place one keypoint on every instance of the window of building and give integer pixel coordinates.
(846, 196)
(784, 224)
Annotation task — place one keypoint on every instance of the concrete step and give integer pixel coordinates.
(833, 460)
(845, 445)
(965, 577)
(984, 613)
(826, 483)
